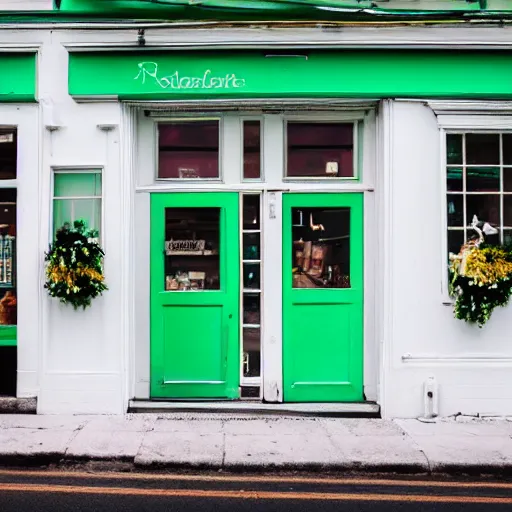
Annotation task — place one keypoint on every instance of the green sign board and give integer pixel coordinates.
(18, 80)
(351, 74)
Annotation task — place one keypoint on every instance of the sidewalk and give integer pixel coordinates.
(255, 442)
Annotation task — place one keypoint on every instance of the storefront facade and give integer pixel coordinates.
(276, 218)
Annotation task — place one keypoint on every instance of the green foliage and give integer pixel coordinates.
(74, 269)
(482, 283)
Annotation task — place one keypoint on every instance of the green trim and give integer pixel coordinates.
(195, 334)
(255, 10)
(18, 82)
(8, 335)
(323, 328)
(322, 74)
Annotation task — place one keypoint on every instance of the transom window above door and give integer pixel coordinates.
(188, 149)
(320, 149)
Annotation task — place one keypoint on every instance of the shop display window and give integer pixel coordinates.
(321, 247)
(478, 182)
(319, 150)
(252, 150)
(8, 270)
(77, 196)
(192, 245)
(188, 149)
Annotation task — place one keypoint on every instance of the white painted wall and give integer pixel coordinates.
(94, 361)
(83, 363)
(26, 5)
(472, 366)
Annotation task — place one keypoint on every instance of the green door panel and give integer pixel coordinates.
(323, 327)
(195, 334)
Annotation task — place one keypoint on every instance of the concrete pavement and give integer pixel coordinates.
(229, 441)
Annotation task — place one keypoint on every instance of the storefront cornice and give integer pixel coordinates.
(204, 38)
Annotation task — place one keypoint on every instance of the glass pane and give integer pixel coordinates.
(251, 212)
(482, 149)
(66, 211)
(486, 207)
(251, 246)
(454, 148)
(483, 179)
(507, 179)
(252, 309)
(507, 236)
(321, 247)
(188, 149)
(507, 149)
(252, 349)
(320, 150)
(454, 179)
(252, 150)
(192, 239)
(8, 300)
(77, 184)
(455, 241)
(507, 211)
(455, 210)
(251, 276)
(8, 153)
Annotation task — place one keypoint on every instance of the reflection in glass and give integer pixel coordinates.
(251, 276)
(251, 212)
(482, 149)
(251, 246)
(252, 150)
(252, 359)
(320, 149)
(483, 179)
(8, 300)
(454, 148)
(507, 148)
(8, 153)
(485, 206)
(507, 179)
(455, 240)
(251, 308)
(454, 179)
(455, 210)
(321, 247)
(507, 211)
(192, 240)
(188, 149)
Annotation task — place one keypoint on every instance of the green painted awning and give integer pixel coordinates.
(18, 77)
(265, 10)
(316, 74)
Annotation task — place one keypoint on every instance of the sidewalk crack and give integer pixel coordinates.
(75, 433)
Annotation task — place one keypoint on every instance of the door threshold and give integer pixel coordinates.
(347, 409)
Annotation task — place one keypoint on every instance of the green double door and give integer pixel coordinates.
(195, 296)
(323, 297)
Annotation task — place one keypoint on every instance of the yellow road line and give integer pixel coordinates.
(256, 479)
(261, 495)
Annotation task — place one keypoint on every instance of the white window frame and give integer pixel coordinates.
(261, 120)
(189, 119)
(357, 121)
(464, 117)
(78, 169)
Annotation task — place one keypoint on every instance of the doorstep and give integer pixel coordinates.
(359, 409)
(13, 405)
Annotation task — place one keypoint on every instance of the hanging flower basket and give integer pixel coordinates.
(481, 277)
(74, 268)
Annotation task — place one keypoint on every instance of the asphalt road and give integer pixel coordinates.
(75, 491)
